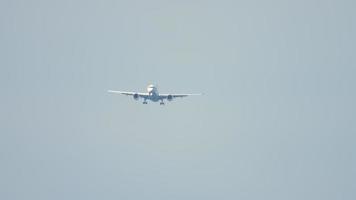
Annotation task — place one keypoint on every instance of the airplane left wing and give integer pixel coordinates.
(171, 96)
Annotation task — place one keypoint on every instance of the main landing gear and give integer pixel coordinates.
(162, 103)
(145, 102)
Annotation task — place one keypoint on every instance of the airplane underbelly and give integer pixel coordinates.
(154, 98)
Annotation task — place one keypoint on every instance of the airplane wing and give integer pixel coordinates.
(172, 96)
(129, 93)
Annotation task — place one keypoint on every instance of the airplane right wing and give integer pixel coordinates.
(135, 94)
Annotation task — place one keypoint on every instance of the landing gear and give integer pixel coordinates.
(162, 103)
(145, 102)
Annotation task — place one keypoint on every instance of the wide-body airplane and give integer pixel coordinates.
(152, 95)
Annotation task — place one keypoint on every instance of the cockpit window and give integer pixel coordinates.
(151, 86)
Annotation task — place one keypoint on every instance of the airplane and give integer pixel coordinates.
(152, 95)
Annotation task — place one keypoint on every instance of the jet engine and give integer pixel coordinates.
(136, 96)
(169, 97)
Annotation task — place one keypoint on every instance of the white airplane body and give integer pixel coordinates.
(152, 94)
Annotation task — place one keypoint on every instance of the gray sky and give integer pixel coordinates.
(277, 120)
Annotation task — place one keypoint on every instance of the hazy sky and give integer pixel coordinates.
(277, 120)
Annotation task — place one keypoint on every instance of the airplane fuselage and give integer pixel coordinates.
(153, 93)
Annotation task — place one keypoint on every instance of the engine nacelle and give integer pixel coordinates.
(169, 97)
(136, 96)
